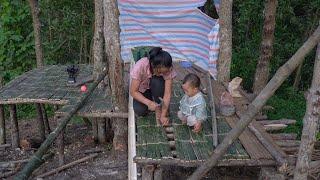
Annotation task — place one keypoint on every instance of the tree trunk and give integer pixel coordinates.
(119, 97)
(15, 140)
(37, 31)
(225, 52)
(36, 160)
(40, 124)
(310, 123)
(282, 73)
(2, 120)
(98, 52)
(262, 72)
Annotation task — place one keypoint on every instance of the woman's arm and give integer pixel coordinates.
(166, 97)
(134, 92)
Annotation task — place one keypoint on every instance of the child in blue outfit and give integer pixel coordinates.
(192, 105)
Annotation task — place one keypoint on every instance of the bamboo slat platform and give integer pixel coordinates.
(189, 149)
(49, 85)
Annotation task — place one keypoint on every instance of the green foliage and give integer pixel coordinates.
(288, 104)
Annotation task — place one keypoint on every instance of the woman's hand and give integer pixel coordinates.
(164, 121)
(152, 106)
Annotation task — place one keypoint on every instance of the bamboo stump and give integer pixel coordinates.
(2, 126)
(14, 126)
(40, 122)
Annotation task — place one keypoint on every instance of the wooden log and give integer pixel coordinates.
(274, 127)
(5, 145)
(36, 161)
(256, 105)
(61, 168)
(40, 122)
(261, 117)
(122, 115)
(15, 140)
(284, 136)
(288, 143)
(45, 119)
(280, 121)
(147, 172)
(60, 147)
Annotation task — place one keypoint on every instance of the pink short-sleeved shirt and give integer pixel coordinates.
(141, 72)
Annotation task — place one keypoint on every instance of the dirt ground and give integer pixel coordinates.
(78, 140)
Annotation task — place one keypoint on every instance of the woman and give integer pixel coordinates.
(151, 78)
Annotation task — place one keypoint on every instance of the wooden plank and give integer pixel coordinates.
(250, 142)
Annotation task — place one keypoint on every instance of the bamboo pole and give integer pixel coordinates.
(36, 161)
(276, 81)
(213, 113)
(310, 123)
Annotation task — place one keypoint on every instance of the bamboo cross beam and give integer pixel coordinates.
(283, 72)
(36, 160)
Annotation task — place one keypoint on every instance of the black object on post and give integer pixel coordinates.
(72, 71)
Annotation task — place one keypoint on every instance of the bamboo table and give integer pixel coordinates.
(49, 86)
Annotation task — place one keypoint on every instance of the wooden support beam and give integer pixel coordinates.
(284, 136)
(45, 119)
(147, 172)
(36, 159)
(256, 105)
(40, 122)
(213, 113)
(2, 125)
(15, 140)
(279, 121)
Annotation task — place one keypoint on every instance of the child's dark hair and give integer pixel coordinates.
(193, 79)
(159, 58)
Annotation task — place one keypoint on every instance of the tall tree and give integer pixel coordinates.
(262, 72)
(225, 52)
(283, 72)
(310, 123)
(98, 52)
(115, 65)
(37, 31)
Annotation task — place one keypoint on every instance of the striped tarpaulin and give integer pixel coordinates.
(177, 26)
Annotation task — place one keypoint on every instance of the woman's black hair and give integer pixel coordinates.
(159, 58)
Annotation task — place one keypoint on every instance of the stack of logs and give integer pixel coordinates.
(289, 144)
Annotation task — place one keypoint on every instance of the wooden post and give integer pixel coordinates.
(2, 120)
(15, 140)
(102, 138)
(157, 175)
(213, 113)
(40, 122)
(282, 73)
(60, 143)
(36, 159)
(147, 172)
(95, 129)
(310, 123)
(45, 119)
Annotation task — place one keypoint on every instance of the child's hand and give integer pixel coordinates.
(182, 117)
(152, 106)
(197, 127)
(164, 121)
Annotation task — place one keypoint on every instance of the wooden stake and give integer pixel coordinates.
(45, 119)
(36, 161)
(283, 72)
(102, 138)
(2, 125)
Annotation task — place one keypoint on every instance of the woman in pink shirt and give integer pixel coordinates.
(151, 78)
